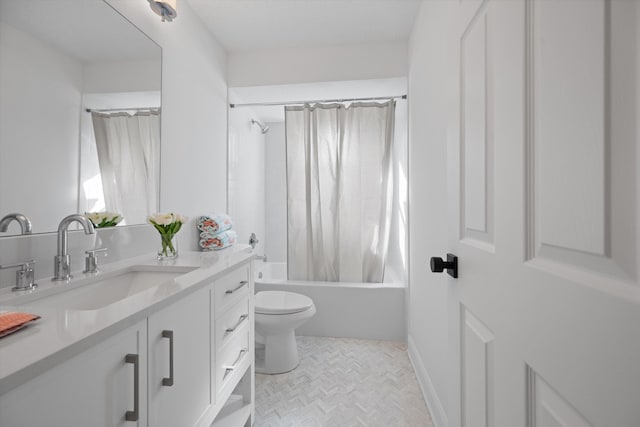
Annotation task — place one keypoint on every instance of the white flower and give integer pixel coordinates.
(166, 218)
(161, 218)
(93, 216)
(103, 219)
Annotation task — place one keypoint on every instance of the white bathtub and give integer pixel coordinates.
(344, 309)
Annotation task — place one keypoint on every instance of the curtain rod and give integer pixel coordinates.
(266, 104)
(108, 110)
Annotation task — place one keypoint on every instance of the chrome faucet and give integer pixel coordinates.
(25, 224)
(62, 261)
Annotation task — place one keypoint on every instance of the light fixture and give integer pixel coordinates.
(165, 8)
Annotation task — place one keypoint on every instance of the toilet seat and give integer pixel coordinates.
(281, 302)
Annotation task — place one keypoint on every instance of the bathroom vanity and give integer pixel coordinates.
(141, 343)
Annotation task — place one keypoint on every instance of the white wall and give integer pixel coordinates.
(321, 64)
(246, 176)
(276, 193)
(428, 293)
(194, 143)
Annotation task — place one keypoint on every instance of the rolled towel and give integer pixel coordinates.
(217, 241)
(214, 223)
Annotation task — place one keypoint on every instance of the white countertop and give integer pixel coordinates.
(62, 333)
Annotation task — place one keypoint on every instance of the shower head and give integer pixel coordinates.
(263, 128)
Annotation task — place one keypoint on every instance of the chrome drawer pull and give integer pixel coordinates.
(230, 291)
(169, 381)
(230, 369)
(133, 415)
(242, 319)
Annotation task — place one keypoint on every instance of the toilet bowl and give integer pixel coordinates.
(277, 315)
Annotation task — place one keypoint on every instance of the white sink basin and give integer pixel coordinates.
(110, 289)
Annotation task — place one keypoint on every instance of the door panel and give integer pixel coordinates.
(548, 408)
(568, 129)
(477, 372)
(582, 216)
(476, 136)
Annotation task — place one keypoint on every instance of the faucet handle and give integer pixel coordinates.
(91, 261)
(24, 276)
(23, 264)
(93, 251)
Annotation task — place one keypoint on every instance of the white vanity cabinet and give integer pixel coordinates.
(179, 362)
(94, 388)
(187, 364)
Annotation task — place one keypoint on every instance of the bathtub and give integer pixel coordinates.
(344, 309)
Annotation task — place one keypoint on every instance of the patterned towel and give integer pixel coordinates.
(214, 223)
(217, 241)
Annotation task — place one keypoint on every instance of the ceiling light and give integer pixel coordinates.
(165, 8)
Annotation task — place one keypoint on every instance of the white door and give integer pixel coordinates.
(543, 162)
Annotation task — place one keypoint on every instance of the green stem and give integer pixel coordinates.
(167, 244)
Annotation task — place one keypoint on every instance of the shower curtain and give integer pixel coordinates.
(339, 186)
(129, 158)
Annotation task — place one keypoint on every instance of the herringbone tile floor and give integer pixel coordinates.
(343, 383)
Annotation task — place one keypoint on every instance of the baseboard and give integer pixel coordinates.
(438, 414)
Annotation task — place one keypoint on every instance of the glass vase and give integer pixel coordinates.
(168, 248)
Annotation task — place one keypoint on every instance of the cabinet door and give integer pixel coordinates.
(94, 388)
(179, 335)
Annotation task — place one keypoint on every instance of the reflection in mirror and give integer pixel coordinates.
(59, 59)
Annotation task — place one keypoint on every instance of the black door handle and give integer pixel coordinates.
(438, 265)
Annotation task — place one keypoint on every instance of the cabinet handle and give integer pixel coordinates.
(133, 415)
(240, 286)
(169, 381)
(230, 369)
(242, 319)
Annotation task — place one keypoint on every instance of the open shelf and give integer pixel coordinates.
(234, 413)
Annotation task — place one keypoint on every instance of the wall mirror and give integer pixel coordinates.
(75, 76)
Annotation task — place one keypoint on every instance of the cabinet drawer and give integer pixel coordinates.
(233, 358)
(230, 289)
(231, 322)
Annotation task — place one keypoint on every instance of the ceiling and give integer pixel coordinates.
(248, 25)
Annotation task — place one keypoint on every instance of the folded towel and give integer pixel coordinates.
(217, 241)
(12, 321)
(214, 223)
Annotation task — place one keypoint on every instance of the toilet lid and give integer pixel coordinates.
(280, 302)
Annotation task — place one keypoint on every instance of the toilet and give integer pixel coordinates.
(277, 315)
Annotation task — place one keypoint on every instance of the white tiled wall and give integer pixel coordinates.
(246, 176)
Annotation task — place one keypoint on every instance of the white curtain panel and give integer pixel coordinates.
(129, 158)
(339, 185)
